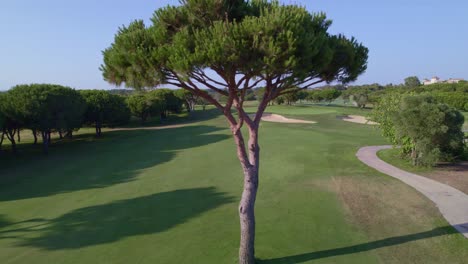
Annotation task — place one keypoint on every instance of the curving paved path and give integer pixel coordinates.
(452, 203)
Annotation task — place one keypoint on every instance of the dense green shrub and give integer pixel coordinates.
(144, 106)
(383, 113)
(290, 97)
(279, 100)
(170, 102)
(363, 95)
(428, 131)
(361, 99)
(188, 98)
(327, 95)
(315, 96)
(445, 87)
(455, 99)
(104, 109)
(412, 81)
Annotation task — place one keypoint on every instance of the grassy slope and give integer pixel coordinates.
(170, 196)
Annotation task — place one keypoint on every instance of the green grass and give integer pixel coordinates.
(170, 196)
(393, 157)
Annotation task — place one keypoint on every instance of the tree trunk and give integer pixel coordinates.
(18, 135)
(45, 141)
(192, 105)
(11, 136)
(189, 105)
(34, 132)
(98, 129)
(247, 217)
(249, 195)
(69, 134)
(60, 134)
(1, 138)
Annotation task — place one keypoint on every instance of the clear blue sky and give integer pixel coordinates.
(57, 41)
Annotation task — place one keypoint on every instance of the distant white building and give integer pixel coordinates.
(436, 79)
(433, 80)
(454, 80)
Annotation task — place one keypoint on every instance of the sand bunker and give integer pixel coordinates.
(357, 119)
(281, 119)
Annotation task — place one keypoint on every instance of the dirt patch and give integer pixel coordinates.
(455, 175)
(281, 119)
(378, 204)
(357, 119)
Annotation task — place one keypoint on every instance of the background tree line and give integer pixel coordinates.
(452, 94)
(47, 108)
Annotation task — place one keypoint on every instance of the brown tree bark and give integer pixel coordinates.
(98, 129)
(45, 141)
(250, 161)
(247, 217)
(247, 203)
(10, 133)
(34, 132)
(69, 134)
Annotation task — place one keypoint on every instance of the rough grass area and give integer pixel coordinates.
(400, 227)
(170, 196)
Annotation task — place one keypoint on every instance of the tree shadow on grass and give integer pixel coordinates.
(87, 162)
(391, 241)
(111, 222)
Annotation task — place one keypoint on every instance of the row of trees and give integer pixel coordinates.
(160, 103)
(452, 94)
(46, 108)
(323, 95)
(326, 94)
(427, 131)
